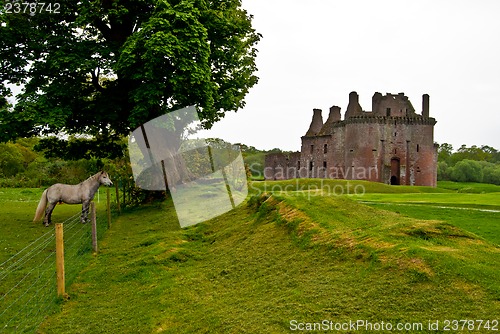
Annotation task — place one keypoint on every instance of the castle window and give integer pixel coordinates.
(298, 164)
(312, 149)
(311, 165)
(325, 148)
(324, 164)
(395, 151)
(395, 134)
(388, 112)
(418, 147)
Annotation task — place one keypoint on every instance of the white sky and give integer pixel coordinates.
(313, 53)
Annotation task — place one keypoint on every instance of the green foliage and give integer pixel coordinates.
(11, 160)
(444, 152)
(81, 148)
(491, 173)
(469, 164)
(17, 157)
(22, 166)
(467, 171)
(102, 68)
(483, 153)
(443, 171)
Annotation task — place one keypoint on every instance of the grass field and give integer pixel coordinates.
(17, 209)
(286, 257)
(27, 258)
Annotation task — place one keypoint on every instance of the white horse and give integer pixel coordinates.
(82, 193)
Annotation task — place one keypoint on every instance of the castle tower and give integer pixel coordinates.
(425, 105)
(391, 144)
(316, 123)
(353, 108)
(333, 117)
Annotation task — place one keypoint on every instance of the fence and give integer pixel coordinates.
(28, 289)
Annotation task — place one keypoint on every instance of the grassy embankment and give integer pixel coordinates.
(302, 255)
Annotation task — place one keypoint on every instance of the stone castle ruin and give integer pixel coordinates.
(390, 144)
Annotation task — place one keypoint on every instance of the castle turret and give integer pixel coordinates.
(333, 117)
(316, 123)
(377, 97)
(425, 105)
(353, 108)
(392, 144)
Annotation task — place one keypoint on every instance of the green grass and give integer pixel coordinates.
(484, 224)
(475, 212)
(338, 187)
(27, 280)
(301, 255)
(350, 186)
(469, 187)
(480, 201)
(17, 209)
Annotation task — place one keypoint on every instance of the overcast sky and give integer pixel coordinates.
(313, 53)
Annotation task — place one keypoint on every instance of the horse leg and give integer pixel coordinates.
(85, 212)
(48, 214)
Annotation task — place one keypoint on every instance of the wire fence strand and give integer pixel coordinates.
(28, 291)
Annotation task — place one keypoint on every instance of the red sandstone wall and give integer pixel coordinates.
(368, 146)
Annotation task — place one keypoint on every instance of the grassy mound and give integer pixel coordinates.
(279, 260)
(338, 187)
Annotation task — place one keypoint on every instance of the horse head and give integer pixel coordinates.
(104, 179)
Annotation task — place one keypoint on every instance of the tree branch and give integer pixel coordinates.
(103, 28)
(95, 80)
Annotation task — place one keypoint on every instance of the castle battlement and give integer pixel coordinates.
(392, 140)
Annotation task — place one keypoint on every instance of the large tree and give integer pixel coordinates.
(104, 67)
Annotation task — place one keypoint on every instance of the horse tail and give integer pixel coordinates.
(41, 206)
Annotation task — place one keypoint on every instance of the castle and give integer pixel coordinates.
(390, 144)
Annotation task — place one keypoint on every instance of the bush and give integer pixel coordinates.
(467, 171)
(491, 173)
(443, 171)
(11, 160)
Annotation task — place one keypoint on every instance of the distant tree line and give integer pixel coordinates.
(24, 163)
(469, 164)
(27, 162)
(31, 162)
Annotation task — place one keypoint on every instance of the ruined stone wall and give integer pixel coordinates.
(314, 156)
(402, 148)
(424, 155)
(338, 152)
(282, 166)
(392, 105)
(362, 148)
(392, 144)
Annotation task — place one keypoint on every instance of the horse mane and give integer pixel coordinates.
(92, 177)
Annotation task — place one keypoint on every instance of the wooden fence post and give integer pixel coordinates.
(124, 202)
(108, 207)
(118, 198)
(60, 260)
(94, 227)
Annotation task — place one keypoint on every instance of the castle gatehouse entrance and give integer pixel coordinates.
(395, 171)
